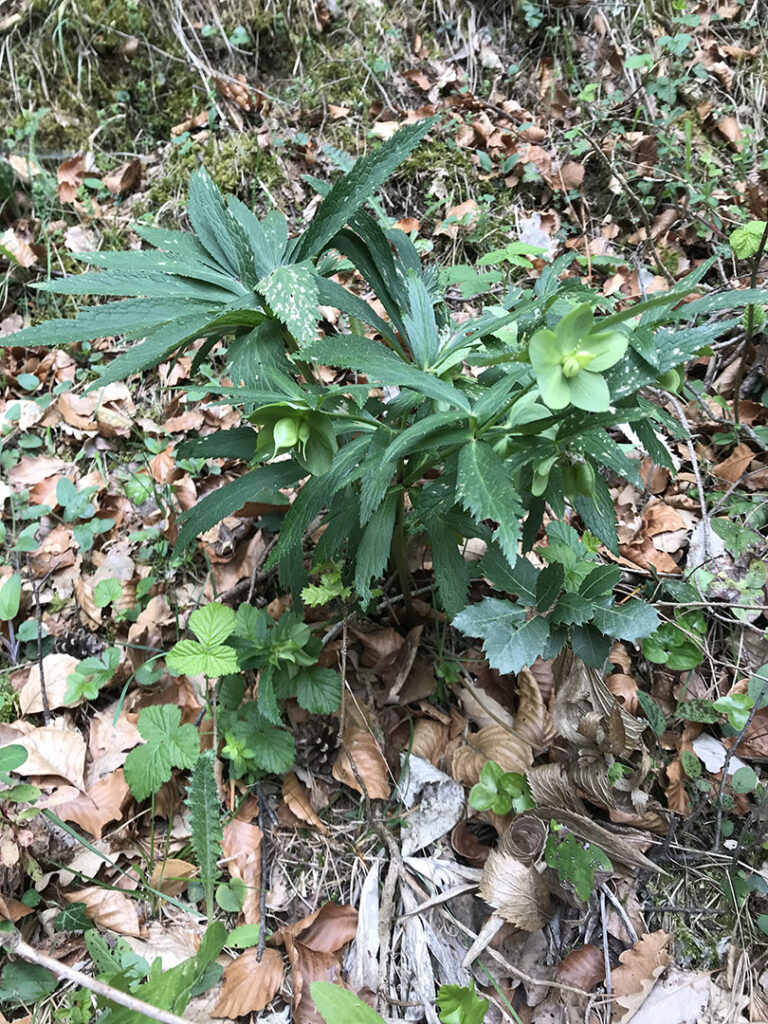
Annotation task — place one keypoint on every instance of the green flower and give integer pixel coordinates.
(568, 361)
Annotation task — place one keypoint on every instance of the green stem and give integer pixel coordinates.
(399, 555)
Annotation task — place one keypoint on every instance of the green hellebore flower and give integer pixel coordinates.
(568, 361)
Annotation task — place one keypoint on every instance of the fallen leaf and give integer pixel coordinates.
(108, 909)
(638, 969)
(661, 518)
(249, 985)
(241, 849)
(494, 743)
(70, 175)
(56, 750)
(172, 876)
(731, 131)
(19, 250)
(125, 178)
(517, 891)
(326, 930)
(361, 748)
(95, 808)
(56, 669)
(583, 968)
(571, 175)
(533, 722)
(297, 798)
(733, 468)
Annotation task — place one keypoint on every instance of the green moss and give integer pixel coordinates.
(9, 704)
(237, 163)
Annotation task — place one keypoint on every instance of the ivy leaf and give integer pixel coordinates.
(484, 485)
(107, 592)
(318, 690)
(168, 745)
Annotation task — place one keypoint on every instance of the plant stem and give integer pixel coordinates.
(750, 323)
(399, 555)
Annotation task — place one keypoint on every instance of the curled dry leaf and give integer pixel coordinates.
(172, 876)
(297, 798)
(482, 709)
(327, 930)
(92, 810)
(494, 743)
(637, 972)
(249, 985)
(308, 966)
(360, 747)
(241, 848)
(467, 845)
(582, 968)
(517, 891)
(56, 669)
(622, 846)
(524, 839)
(70, 175)
(54, 750)
(586, 713)
(429, 740)
(108, 909)
(551, 787)
(533, 721)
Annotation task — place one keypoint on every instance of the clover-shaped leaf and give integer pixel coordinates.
(568, 361)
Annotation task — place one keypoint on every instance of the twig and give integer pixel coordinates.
(750, 321)
(39, 617)
(606, 953)
(262, 879)
(621, 912)
(15, 945)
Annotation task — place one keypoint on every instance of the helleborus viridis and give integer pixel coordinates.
(568, 361)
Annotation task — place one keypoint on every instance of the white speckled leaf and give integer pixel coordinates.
(291, 291)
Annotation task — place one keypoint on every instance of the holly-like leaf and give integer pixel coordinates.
(484, 485)
(629, 621)
(168, 745)
(510, 641)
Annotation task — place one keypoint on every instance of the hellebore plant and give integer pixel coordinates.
(569, 360)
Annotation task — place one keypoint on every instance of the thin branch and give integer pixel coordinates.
(16, 946)
(750, 321)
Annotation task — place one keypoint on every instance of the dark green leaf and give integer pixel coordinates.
(590, 645)
(652, 712)
(600, 581)
(373, 553)
(629, 621)
(549, 586)
(451, 571)
(484, 485)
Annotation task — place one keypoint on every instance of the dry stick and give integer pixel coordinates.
(621, 912)
(727, 763)
(15, 945)
(606, 955)
(262, 879)
(39, 617)
(750, 321)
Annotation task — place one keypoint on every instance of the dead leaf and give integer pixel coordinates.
(56, 670)
(19, 250)
(384, 129)
(517, 891)
(661, 518)
(326, 930)
(241, 849)
(54, 749)
(583, 968)
(297, 799)
(571, 175)
(738, 462)
(172, 876)
(70, 175)
(636, 975)
(249, 985)
(731, 131)
(533, 721)
(361, 748)
(95, 808)
(108, 909)
(125, 178)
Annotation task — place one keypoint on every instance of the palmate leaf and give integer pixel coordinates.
(146, 284)
(148, 261)
(168, 745)
(318, 690)
(351, 191)
(205, 824)
(216, 228)
(330, 293)
(510, 641)
(484, 486)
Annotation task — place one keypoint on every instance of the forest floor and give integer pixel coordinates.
(632, 136)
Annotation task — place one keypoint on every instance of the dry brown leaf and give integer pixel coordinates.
(326, 930)
(661, 518)
(108, 909)
(297, 799)
(730, 129)
(583, 968)
(533, 721)
(20, 250)
(241, 849)
(524, 839)
(125, 178)
(70, 175)
(571, 176)
(95, 808)
(13, 910)
(360, 747)
(494, 743)
(429, 740)
(56, 669)
(172, 876)
(54, 750)
(677, 796)
(517, 891)
(308, 966)
(30, 469)
(738, 462)
(249, 985)
(636, 975)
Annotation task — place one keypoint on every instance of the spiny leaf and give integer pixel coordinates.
(484, 485)
(205, 824)
(291, 292)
